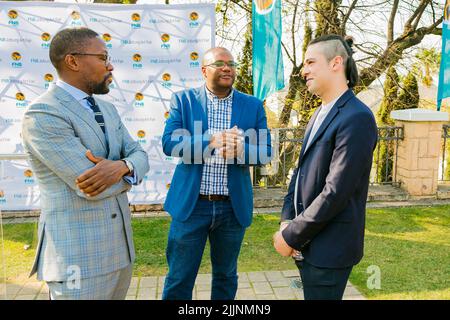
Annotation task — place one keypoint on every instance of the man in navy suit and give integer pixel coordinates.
(217, 132)
(323, 216)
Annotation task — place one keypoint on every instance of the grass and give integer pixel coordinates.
(411, 247)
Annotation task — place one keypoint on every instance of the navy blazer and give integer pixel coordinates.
(185, 136)
(333, 185)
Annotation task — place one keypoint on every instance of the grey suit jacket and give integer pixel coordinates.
(78, 235)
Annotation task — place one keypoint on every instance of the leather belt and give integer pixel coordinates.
(214, 197)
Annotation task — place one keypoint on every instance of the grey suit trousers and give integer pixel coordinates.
(111, 286)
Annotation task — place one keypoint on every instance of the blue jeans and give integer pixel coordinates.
(210, 219)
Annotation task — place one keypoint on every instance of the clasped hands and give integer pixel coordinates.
(103, 175)
(228, 143)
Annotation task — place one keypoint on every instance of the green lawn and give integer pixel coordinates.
(409, 245)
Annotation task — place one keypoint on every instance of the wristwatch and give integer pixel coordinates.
(129, 165)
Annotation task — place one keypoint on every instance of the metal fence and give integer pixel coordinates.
(288, 142)
(444, 174)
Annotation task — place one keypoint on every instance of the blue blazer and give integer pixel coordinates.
(333, 185)
(185, 136)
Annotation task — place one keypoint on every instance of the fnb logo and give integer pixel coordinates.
(141, 136)
(20, 100)
(13, 15)
(76, 18)
(194, 57)
(28, 176)
(165, 38)
(75, 15)
(46, 38)
(166, 77)
(193, 16)
(138, 97)
(137, 61)
(16, 56)
(136, 21)
(48, 77)
(107, 38)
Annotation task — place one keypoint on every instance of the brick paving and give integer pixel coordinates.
(262, 285)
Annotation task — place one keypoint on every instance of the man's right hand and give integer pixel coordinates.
(103, 175)
(228, 141)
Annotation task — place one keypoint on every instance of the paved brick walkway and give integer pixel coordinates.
(264, 285)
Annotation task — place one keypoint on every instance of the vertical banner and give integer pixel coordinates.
(155, 51)
(268, 72)
(444, 72)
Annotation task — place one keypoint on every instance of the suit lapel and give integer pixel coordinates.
(75, 107)
(202, 106)
(329, 118)
(308, 131)
(236, 109)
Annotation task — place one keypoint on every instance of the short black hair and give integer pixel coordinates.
(67, 41)
(340, 46)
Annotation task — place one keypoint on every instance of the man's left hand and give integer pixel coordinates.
(281, 246)
(99, 178)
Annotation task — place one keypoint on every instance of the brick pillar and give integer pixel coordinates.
(418, 153)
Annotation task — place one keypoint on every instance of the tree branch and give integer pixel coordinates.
(390, 31)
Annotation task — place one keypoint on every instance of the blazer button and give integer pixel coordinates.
(114, 215)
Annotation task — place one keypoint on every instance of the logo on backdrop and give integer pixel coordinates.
(137, 58)
(76, 18)
(193, 17)
(16, 57)
(141, 136)
(136, 21)
(48, 77)
(166, 77)
(28, 176)
(46, 38)
(138, 103)
(107, 38)
(194, 60)
(13, 15)
(2, 197)
(165, 38)
(20, 100)
(264, 6)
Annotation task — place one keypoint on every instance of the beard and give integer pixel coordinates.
(99, 87)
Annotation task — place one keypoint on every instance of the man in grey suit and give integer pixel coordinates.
(85, 161)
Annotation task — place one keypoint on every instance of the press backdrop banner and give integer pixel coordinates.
(155, 51)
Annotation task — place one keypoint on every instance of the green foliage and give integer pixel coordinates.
(394, 99)
(428, 63)
(390, 95)
(409, 93)
(244, 80)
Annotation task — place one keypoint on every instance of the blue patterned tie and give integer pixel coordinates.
(97, 113)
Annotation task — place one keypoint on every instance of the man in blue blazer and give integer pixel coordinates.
(217, 132)
(323, 215)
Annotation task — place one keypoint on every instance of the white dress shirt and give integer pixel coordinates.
(80, 96)
(323, 112)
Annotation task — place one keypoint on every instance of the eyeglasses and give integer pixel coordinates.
(103, 56)
(220, 64)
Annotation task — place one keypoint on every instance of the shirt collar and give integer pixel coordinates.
(327, 107)
(211, 96)
(78, 94)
